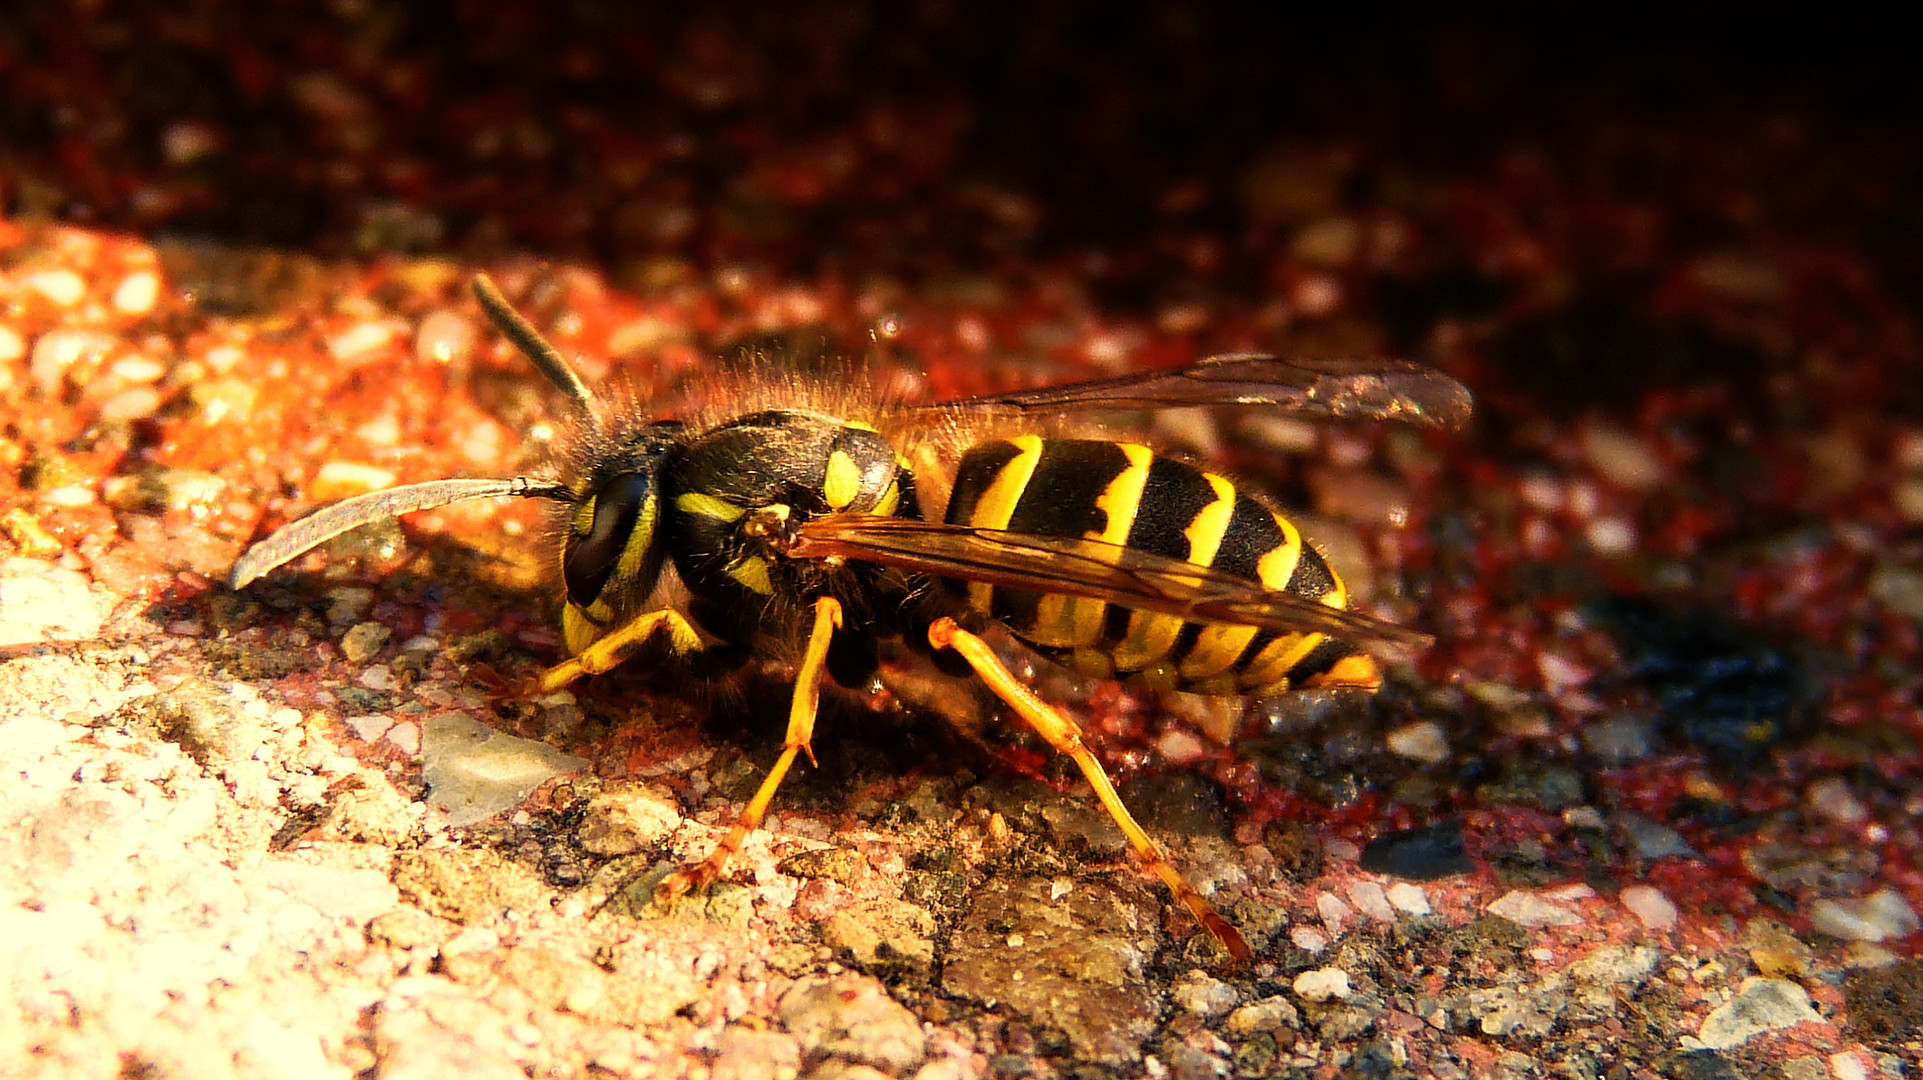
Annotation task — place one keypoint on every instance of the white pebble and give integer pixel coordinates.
(1180, 747)
(406, 736)
(1309, 939)
(1881, 915)
(1830, 797)
(1848, 1065)
(338, 478)
(131, 404)
(68, 496)
(1335, 914)
(137, 292)
(1650, 906)
(1611, 536)
(1322, 984)
(1542, 492)
(63, 287)
(1560, 673)
(137, 369)
(370, 727)
(445, 336)
(58, 350)
(1422, 741)
(360, 339)
(1527, 909)
(1409, 898)
(1370, 900)
(1623, 458)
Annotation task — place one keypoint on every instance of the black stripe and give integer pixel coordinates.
(1319, 661)
(1060, 498)
(1174, 494)
(1253, 649)
(977, 472)
(1312, 579)
(1252, 533)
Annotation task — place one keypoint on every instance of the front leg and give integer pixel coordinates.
(801, 733)
(611, 649)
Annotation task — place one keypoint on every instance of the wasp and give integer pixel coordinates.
(824, 526)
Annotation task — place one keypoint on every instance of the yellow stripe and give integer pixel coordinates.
(1277, 565)
(1123, 495)
(841, 482)
(1215, 650)
(753, 573)
(1074, 622)
(1205, 532)
(708, 506)
(1091, 663)
(1150, 638)
(584, 516)
(997, 504)
(890, 501)
(1270, 668)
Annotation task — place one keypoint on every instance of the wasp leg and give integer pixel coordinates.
(1063, 734)
(607, 653)
(801, 733)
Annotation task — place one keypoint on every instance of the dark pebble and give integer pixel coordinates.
(1420, 854)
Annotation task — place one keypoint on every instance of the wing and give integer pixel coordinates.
(1073, 566)
(1368, 389)
(330, 521)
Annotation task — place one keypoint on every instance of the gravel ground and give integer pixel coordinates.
(1647, 809)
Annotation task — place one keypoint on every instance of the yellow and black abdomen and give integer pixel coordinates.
(1126, 494)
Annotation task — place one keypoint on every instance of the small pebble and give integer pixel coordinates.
(55, 351)
(445, 336)
(1623, 458)
(1881, 915)
(1527, 909)
(1309, 939)
(1761, 1005)
(137, 369)
(137, 293)
(62, 287)
(1848, 1065)
(406, 737)
(1650, 906)
(1830, 798)
(12, 345)
(1423, 741)
(1335, 914)
(132, 403)
(1204, 995)
(363, 640)
(1409, 898)
(357, 341)
(1269, 1015)
(1899, 588)
(1908, 498)
(1611, 536)
(338, 479)
(1331, 242)
(1370, 900)
(1322, 984)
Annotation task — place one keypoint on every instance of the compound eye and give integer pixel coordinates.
(620, 517)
